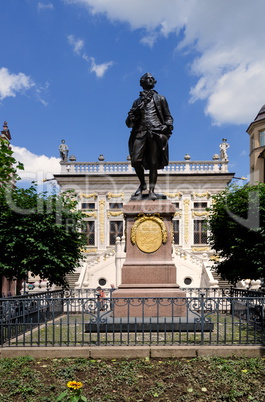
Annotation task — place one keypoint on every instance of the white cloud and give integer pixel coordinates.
(36, 167)
(77, 44)
(99, 69)
(227, 37)
(11, 84)
(237, 95)
(78, 48)
(45, 6)
(150, 39)
(150, 14)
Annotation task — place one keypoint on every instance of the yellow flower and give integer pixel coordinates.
(244, 371)
(74, 384)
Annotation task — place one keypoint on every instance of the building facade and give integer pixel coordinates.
(256, 131)
(104, 187)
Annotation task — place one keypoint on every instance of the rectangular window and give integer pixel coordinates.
(115, 205)
(200, 205)
(262, 138)
(176, 205)
(88, 205)
(175, 231)
(200, 232)
(89, 229)
(115, 230)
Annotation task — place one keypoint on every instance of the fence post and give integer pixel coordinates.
(202, 317)
(98, 304)
(2, 338)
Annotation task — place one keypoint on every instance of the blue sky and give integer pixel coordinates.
(70, 69)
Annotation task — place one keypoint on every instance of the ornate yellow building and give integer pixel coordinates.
(104, 187)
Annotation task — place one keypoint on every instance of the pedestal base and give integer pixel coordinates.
(148, 276)
(110, 324)
(149, 302)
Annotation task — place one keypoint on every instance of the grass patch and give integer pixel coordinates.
(68, 330)
(200, 379)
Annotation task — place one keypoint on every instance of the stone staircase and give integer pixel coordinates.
(72, 279)
(221, 282)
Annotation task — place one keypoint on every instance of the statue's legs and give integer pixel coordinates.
(152, 183)
(140, 174)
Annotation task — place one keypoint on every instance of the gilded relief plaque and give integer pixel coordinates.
(148, 233)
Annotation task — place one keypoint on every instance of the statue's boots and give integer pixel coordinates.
(152, 195)
(140, 189)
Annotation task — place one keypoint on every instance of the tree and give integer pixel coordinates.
(8, 164)
(40, 233)
(237, 226)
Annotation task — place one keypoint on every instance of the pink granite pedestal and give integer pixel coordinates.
(149, 273)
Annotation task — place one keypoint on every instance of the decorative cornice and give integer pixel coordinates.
(89, 250)
(207, 194)
(200, 248)
(204, 213)
(174, 195)
(111, 195)
(178, 213)
(90, 214)
(112, 213)
(93, 195)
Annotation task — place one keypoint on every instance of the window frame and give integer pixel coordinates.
(113, 234)
(175, 233)
(262, 138)
(89, 232)
(201, 232)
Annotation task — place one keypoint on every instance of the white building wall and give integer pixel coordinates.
(182, 182)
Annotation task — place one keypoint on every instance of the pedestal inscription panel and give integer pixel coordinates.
(148, 233)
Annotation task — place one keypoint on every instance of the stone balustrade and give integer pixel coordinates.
(186, 167)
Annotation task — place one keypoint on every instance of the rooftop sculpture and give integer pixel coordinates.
(64, 150)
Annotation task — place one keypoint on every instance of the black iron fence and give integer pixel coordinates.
(18, 313)
(192, 292)
(58, 319)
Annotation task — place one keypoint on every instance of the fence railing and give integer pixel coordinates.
(182, 167)
(192, 292)
(248, 292)
(94, 321)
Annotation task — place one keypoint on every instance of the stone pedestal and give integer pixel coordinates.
(149, 271)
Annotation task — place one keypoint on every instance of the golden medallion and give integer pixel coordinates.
(148, 233)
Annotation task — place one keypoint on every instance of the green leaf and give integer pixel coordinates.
(62, 396)
(74, 398)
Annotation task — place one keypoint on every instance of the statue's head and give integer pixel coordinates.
(147, 80)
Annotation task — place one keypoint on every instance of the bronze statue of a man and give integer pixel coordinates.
(152, 125)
